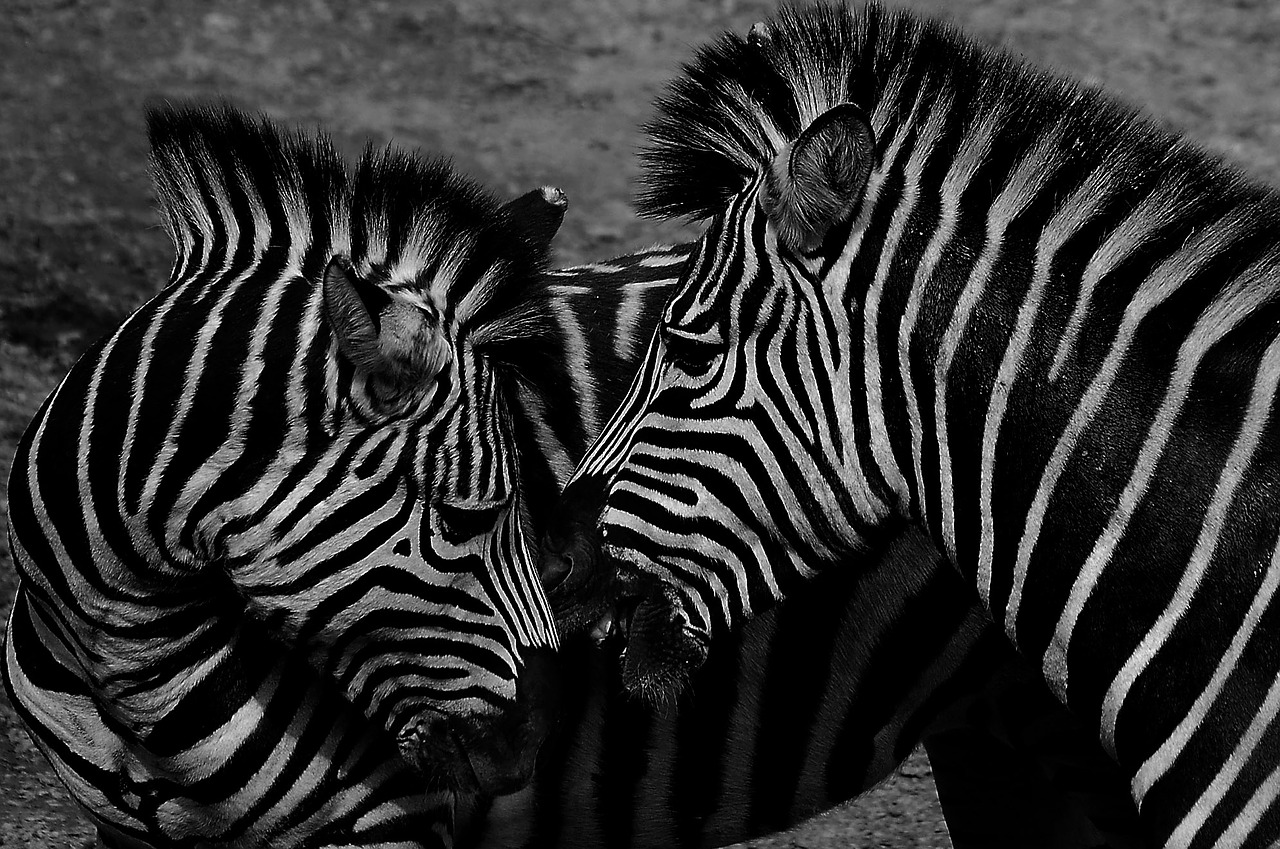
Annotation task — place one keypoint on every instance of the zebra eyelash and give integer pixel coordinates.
(691, 348)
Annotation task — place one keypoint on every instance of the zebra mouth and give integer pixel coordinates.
(660, 648)
(439, 755)
(467, 764)
(616, 621)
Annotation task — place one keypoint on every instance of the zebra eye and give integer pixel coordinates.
(691, 350)
(461, 521)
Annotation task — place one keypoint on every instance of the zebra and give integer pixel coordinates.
(274, 586)
(942, 289)
(710, 773)
(602, 339)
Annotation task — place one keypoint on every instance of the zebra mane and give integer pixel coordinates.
(228, 182)
(743, 99)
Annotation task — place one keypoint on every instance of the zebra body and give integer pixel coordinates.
(942, 288)
(273, 583)
(773, 731)
(616, 773)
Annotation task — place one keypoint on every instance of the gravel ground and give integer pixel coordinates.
(520, 94)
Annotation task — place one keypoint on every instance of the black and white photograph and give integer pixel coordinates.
(507, 424)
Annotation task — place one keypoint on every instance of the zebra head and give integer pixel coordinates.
(360, 495)
(735, 465)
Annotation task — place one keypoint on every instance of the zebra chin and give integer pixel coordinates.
(659, 660)
(661, 647)
(488, 755)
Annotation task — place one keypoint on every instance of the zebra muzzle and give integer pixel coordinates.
(502, 761)
(661, 648)
(489, 755)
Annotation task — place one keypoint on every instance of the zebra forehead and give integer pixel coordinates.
(742, 99)
(413, 223)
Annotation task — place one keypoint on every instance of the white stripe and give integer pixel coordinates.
(1244, 823)
(614, 440)
(577, 365)
(1219, 319)
(1002, 211)
(881, 449)
(1215, 518)
(202, 351)
(841, 401)
(627, 320)
(1158, 209)
(948, 217)
(663, 260)
(777, 313)
(537, 416)
(1030, 174)
(963, 168)
(252, 363)
(1078, 209)
(1163, 758)
(1158, 286)
(1230, 770)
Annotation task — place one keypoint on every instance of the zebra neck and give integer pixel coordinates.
(1059, 355)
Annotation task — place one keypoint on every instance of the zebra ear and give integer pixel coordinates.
(538, 213)
(350, 317)
(818, 181)
(394, 342)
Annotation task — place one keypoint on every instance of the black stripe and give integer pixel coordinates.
(798, 670)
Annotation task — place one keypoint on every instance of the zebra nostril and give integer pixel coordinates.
(555, 568)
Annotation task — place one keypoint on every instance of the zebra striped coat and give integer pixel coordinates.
(273, 583)
(775, 732)
(942, 288)
(623, 775)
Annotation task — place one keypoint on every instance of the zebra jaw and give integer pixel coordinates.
(600, 589)
(661, 649)
(464, 761)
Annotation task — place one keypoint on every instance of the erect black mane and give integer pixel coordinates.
(220, 173)
(737, 104)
